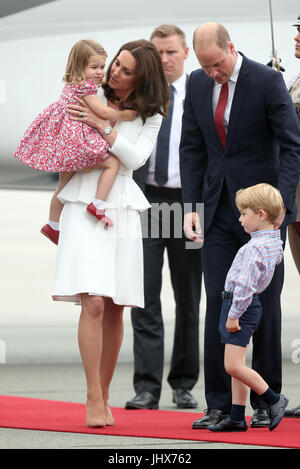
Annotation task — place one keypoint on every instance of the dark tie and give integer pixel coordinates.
(219, 114)
(162, 147)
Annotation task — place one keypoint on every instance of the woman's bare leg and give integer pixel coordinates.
(55, 205)
(90, 346)
(113, 330)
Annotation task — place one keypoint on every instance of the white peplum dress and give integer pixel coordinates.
(99, 261)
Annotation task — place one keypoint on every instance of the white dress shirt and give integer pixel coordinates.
(175, 135)
(231, 87)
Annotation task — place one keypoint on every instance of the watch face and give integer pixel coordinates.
(107, 130)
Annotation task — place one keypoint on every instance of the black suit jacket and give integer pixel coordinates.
(263, 140)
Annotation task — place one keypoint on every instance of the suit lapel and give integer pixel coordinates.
(207, 109)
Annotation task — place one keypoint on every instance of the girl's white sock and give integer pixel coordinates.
(99, 204)
(54, 225)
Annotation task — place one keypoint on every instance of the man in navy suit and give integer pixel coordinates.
(239, 128)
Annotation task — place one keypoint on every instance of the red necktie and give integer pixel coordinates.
(219, 114)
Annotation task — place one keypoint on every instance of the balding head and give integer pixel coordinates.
(209, 34)
(215, 51)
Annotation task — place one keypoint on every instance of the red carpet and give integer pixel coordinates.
(40, 414)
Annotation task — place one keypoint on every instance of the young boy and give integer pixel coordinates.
(250, 274)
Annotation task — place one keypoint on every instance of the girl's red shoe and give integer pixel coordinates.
(100, 214)
(50, 233)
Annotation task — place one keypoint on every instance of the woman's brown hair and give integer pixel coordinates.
(79, 58)
(151, 92)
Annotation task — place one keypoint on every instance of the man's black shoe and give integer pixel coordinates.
(228, 425)
(212, 417)
(260, 418)
(276, 411)
(143, 400)
(184, 399)
(295, 412)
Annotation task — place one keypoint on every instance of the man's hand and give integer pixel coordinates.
(192, 227)
(232, 325)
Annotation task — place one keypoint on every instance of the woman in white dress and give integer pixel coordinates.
(102, 269)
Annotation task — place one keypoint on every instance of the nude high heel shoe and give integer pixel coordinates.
(93, 411)
(110, 421)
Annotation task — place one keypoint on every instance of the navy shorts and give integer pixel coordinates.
(248, 322)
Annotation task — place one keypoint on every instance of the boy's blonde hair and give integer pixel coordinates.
(79, 58)
(260, 197)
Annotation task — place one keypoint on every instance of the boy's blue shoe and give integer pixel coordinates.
(276, 411)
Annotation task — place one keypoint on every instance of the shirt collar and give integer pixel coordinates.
(237, 68)
(179, 84)
(264, 233)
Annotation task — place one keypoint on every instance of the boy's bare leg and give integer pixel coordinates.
(235, 365)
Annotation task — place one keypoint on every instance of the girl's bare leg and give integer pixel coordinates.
(106, 180)
(112, 327)
(56, 206)
(90, 346)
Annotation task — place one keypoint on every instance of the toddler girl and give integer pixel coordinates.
(56, 143)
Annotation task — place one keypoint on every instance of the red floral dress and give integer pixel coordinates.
(55, 143)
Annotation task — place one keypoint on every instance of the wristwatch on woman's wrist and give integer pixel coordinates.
(107, 130)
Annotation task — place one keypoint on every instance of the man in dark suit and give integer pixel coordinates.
(160, 180)
(239, 128)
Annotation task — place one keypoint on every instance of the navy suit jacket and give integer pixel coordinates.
(263, 140)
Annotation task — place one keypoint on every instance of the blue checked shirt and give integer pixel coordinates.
(252, 269)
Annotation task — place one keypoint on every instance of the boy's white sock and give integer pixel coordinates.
(54, 225)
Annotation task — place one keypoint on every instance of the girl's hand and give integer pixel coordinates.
(232, 325)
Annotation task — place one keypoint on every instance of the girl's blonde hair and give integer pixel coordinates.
(260, 197)
(78, 59)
